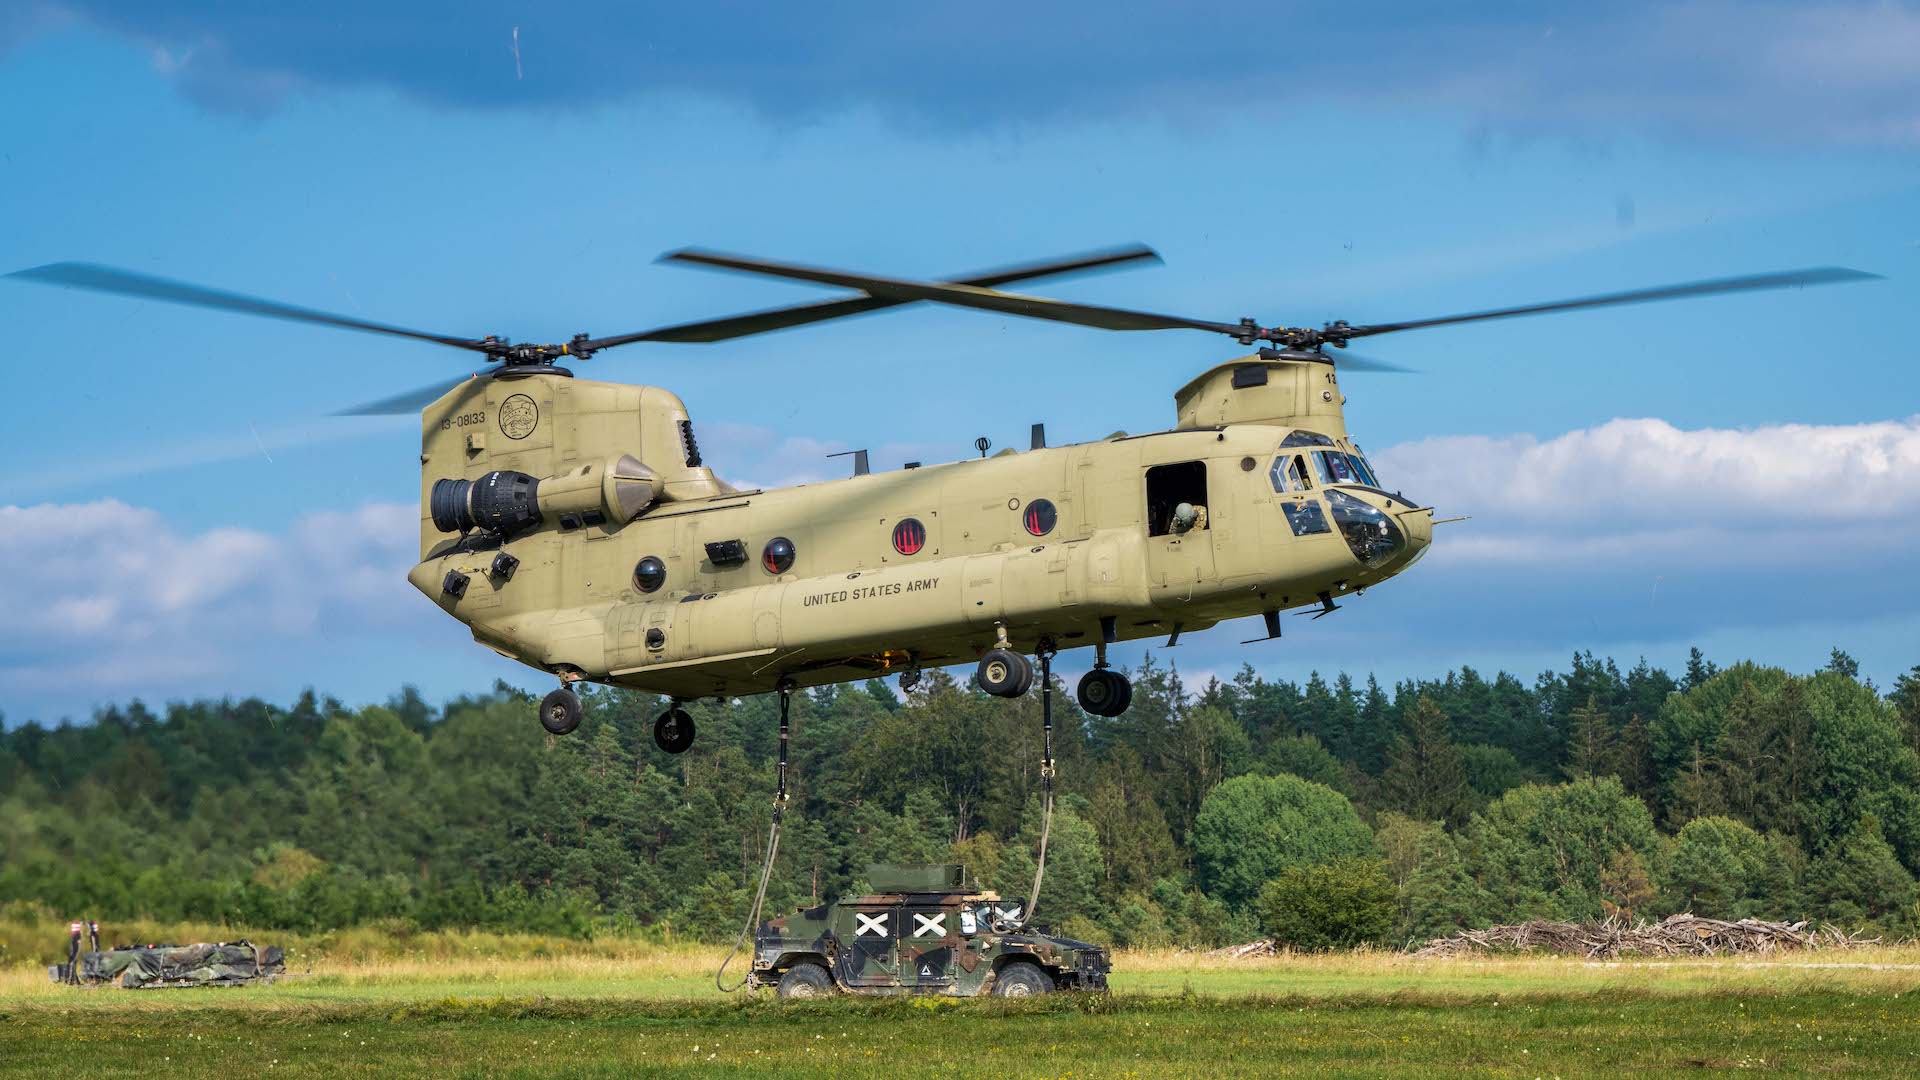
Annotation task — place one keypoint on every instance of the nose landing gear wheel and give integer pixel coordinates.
(1004, 673)
(560, 711)
(673, 732)
(1104, 692)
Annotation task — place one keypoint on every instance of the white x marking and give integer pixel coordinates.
(1012, 912)
(870, 924)
(929, 927)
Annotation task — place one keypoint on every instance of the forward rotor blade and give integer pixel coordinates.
(1786, 279)
(760, 322)
(973, 296)
(410, 402)
(1353, 362)
(108, 279)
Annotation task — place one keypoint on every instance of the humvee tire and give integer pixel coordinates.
(805, 981)
(1021, 979)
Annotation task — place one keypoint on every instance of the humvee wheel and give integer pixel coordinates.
(1004, 673)
(805, 981)
(1021, 979)
(560, 711)
(673, 732)
(1104, 692)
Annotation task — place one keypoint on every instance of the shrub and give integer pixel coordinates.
(1334, 905)
(1251, 828)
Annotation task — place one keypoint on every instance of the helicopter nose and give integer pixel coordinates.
(1384, 533)
(1418, 524)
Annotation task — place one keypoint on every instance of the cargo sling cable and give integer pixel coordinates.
(780, 795)
(773, 849)
(1045, 653)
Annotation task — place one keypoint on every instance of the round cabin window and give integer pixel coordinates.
(777, 557)
(909, 536)
(649, 574)
(1040, 517)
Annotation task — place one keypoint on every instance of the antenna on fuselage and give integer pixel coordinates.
(983, 444)
(1039, 437)
(859, 460)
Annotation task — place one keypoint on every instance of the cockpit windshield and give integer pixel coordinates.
(1335, 467)
(1304, 438)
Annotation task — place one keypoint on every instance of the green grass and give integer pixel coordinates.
(1361, 1014)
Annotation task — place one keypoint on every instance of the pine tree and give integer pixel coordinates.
(1699, 669)
(1632, 758)
(1743, 758)
(1425, 778)
(1840, 663)
(1906, 706)
(1696, 790)
(1589, 741)
(1377, 727)
(1860, 878)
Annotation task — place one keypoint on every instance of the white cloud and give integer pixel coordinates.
(1646, 479)
(113, 593)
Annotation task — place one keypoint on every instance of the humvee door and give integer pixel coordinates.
(870, 959)
(926, 957)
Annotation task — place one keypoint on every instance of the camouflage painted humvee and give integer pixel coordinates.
(923, 931)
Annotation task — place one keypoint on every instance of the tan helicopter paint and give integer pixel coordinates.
(852, 606)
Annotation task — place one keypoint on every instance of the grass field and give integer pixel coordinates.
(654, 1010)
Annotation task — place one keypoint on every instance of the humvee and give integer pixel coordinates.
(923, 930)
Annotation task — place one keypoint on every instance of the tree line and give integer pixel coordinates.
(1326, 812)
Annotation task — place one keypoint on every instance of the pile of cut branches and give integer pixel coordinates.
(1677, 935)
(1262, 947)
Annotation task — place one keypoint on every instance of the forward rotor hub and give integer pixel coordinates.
(528, 355)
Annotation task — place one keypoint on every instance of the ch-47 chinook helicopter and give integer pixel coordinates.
(573, 526)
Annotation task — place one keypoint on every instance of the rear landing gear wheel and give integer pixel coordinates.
(1004, 673)
(805, 981)
(673, 732)
(560, 711)
(1104, 692)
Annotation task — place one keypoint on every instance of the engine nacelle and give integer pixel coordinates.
(616, 490)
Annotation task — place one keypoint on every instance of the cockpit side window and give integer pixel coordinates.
(1305, 438)
(1286, 474)
(1364, 467)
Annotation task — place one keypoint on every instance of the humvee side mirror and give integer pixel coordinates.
(968, 924)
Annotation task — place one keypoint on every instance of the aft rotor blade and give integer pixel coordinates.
(973, 296)
(109, 279)
(1785, 279)
(760, 322)
(410, 402)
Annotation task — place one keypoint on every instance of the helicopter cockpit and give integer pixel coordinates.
(1309, 460)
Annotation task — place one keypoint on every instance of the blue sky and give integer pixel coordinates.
(181, 517)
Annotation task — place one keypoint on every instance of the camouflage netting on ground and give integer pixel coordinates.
(182, 965)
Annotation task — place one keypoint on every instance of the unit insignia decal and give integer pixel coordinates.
(518, 416)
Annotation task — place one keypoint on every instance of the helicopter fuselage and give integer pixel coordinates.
(638, 568)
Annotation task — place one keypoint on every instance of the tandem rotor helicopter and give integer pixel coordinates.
(573, 525)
